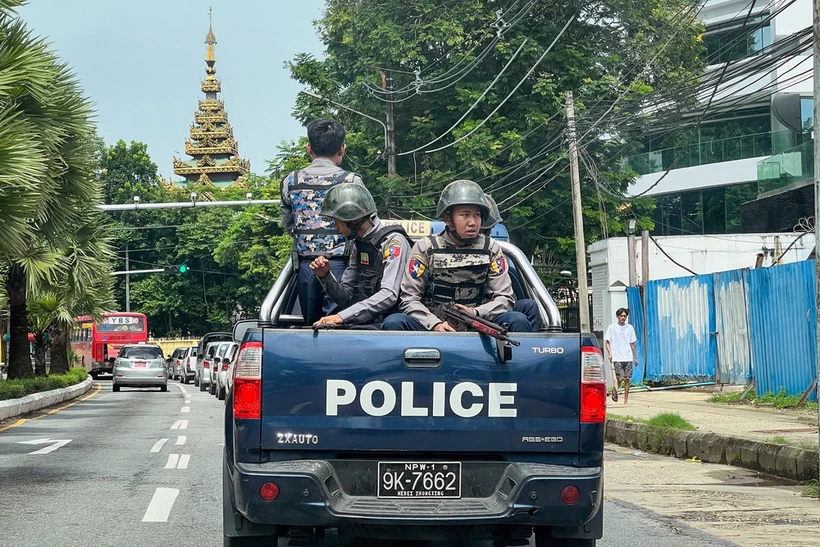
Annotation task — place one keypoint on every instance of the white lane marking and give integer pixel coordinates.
(161, 504)
(186, 409)
(180, 424)
(183, 461)
(181, 440)
(57, 443)
(182, 388)
(173, 459)
(158, 445)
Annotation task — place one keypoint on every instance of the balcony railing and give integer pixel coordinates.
(713, 151)
(790, 166)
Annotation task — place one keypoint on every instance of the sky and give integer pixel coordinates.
(141, 64)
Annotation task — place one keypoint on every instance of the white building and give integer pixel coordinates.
(609, 262)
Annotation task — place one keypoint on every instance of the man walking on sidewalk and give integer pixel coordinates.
(620, 342)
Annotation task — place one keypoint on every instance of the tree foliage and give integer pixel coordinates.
(622, 50)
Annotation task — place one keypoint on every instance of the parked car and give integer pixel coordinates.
(187, 368)
(201, 353)
(203, 367)
(140, 365)
(216, 365)
(176, 358)
(224, 369)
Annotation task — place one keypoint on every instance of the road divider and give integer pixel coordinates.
(36, 401)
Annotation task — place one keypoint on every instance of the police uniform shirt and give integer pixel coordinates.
(395, 252)
(319, 167)
(500, 295)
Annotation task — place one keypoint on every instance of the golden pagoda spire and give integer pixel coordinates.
(210, 39)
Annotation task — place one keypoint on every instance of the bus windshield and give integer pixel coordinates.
(115, 323)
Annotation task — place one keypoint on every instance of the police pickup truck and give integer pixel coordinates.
(414, 435)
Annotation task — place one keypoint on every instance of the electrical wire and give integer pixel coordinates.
(675, 262)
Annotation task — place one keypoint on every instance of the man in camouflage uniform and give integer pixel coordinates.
(303, 193)
(526, 306)
(369, 288)
(460, 265)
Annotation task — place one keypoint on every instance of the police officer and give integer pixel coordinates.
(303, 192)
(524, 305)
(369, 288)
(459, 265)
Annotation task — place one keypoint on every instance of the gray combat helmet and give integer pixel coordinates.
(495, 215)
(462, 192)
(348, 202)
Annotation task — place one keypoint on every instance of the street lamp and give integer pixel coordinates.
(631, 226)
(630, 249)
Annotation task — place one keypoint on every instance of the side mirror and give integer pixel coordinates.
(242, 327)
(168, 359)
(226, 361)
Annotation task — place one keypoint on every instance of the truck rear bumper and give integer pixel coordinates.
(310, 495)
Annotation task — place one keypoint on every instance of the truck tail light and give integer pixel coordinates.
(593, 385)
(247, 384)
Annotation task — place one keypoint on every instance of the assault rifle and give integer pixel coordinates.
(499, 332)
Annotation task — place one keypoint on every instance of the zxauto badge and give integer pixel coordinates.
(297, 438)
(555, 351)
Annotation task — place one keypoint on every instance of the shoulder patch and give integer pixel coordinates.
(392, 250)
(417, 266)
(499, 264)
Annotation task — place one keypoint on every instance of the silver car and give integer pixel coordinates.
(203, 367)
(140, 365)
(216, 365)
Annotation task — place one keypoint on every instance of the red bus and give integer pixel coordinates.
(97, 345)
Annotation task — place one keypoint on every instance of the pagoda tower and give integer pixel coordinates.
(214, 151)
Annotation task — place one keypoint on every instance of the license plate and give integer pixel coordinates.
(419, 480)
(140, 364)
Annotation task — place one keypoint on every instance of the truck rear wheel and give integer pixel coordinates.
(202, 387)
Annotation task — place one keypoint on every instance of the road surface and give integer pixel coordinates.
(142, 467)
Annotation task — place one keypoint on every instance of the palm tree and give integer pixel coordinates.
(46, 168)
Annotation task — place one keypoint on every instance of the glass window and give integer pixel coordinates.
(807, 115)
(736, 196)
(119, 323)
(714, 211)
(143, 352)
(691, 213)
(733, 40)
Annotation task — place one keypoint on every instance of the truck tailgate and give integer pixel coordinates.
(383, 391)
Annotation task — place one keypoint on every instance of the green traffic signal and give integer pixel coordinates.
(182, 268)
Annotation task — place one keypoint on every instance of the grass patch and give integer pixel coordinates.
(625, 418)
(14, 389)
(725, 397)
(778, 400)
(812, 489)
(670, 420)
(778, 439)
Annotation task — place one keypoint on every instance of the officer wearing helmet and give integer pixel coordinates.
(369, 287)
(524, 305)
(461, 265)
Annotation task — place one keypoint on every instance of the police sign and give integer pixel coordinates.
(464, 399)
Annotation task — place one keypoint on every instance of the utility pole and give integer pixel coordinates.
(127, 282)
(631, 251)
(577, 212)
(387, 85)
(816, 53)
(644, 258)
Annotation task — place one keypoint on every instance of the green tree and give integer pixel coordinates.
(601, 57)
(47, 133)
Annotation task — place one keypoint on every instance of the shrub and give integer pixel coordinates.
(14, 389)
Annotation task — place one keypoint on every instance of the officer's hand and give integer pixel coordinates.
(444, 327)
(329, 321)
(466, 309)
(321, 267)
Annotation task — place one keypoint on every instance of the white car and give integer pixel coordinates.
(216, 364)
(225, 371)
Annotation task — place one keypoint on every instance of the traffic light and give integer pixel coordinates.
(176, 269)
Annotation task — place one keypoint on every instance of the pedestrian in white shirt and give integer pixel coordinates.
(620, 342)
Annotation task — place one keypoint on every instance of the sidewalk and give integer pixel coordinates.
(798, 427)
(782, 443)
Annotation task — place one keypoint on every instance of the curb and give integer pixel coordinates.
(14, 407)
(787, 462)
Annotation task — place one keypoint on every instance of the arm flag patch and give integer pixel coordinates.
(416, 266)
(499, 265)
(392, 251)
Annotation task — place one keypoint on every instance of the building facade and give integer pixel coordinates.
(213, 150)
(745, 167)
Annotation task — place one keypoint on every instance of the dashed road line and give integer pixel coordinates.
(158, 445)
(181, 440)
(173, 460)
(186, 409)
(183, 461)
(182, 388)
(161, 504)
(19, 422)
(180, 424)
